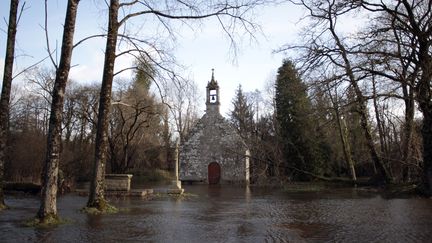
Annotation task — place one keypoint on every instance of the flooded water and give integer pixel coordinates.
(231, 214)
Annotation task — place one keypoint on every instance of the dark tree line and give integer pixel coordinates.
(315, 131)
(385, 63)
(345, 104)
(29, 122)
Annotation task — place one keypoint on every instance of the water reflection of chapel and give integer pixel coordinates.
(213, 152)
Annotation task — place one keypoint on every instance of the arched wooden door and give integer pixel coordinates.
(214, 173)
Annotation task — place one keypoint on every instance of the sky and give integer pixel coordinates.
(199, 47)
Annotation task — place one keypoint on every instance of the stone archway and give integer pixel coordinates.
(214, 173)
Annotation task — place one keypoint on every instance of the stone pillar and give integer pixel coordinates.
(177, 182)
(177, 160)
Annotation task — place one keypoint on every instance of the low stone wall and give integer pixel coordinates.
(118, 182)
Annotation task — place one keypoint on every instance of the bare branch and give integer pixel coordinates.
(125, 69)
(88, 38)
(29, 67)
(47, 36)
(128, 3)
(20, 13)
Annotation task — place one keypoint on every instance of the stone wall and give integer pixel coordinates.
(213, 139)
(118, 182)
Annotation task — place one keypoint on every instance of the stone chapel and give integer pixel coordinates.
(213, 152)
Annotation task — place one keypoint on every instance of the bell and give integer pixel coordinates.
(213, 98)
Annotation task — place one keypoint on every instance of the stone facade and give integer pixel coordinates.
(213, 139)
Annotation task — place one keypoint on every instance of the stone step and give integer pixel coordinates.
(168, 190)
(135, 192)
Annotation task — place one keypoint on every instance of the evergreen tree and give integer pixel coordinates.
(326, 132)
(144, 74)
(296, 130)
(242, 114)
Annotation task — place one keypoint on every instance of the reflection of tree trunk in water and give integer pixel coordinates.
(96, 196)
(6, 90)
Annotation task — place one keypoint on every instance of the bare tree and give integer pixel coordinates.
(39, 86)
(230, 14)
(96, 197)
(6, 91)
(182, 100)
(326, 47)
(48, 209)
(343, 134)
(134, 113)
(409, 22)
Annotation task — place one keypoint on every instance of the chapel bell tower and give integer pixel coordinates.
(212, 102)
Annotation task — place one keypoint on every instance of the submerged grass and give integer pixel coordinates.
(388, 190)
(174, 196)
(99, 206)
(403, 189)
(47, 222)
(107, 209)
(304, 187)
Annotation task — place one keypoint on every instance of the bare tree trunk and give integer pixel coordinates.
(427, 149)
(344, 138)
(382, 171)
(407, 131)
(96, 196)
(48, 208)
(347, 149)
(378, 118)
(425, 102)
(362, 108)
(383, 144)
(412, 22)
(125, 158)
(6, 90)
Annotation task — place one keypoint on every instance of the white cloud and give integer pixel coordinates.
(123, 62)
(88, 66)
(86, 73)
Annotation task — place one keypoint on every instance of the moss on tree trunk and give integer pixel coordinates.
(48, 209)
(96, 195)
